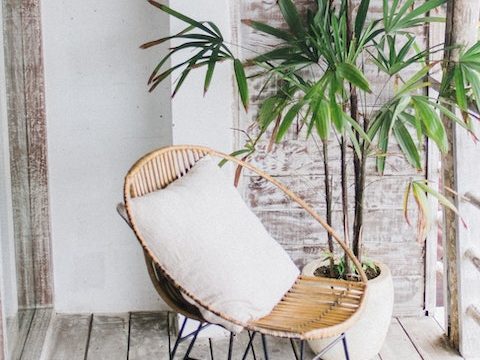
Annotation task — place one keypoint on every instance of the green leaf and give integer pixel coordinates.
(361, 17)
(407, 145)
(460, 89)
(322, 119)
(267, 29)
(164, 39)
(355, 125)
(235, 154)
(383, 140)
(291, 16)
(422, 184)
(337, 115)
(432, 123)
(241, 82)
(423, 9)
(288, 120)
(182, 17)
(268, 112)
(211, 67)
(353, 75)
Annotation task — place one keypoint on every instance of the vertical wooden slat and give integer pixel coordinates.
(161, 171)
(156, 174)
(181, 162)
(149, 176)
(174, 165)
(186, 160)
(19, 159)
(166, 169)
(461, 175)
(37, 150)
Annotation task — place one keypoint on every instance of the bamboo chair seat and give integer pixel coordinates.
(313, 308)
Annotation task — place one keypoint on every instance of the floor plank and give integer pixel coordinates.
(429, 339)
(145, 336)
(109, 337)
(148, 336)
(24, 321)
(68, 338)
(398, 345)
(37, 334)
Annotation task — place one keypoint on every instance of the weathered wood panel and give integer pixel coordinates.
(428, 338)
(298, 163)
(148, 336)
(68, 338)
(398, 345)
(461, 173)
(37, 334)
(34, 88)
(25, 318)
(18, 143)
(109, 337)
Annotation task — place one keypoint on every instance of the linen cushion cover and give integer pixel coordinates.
(205, 236)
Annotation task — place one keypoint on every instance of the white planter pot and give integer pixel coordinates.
(366, 337)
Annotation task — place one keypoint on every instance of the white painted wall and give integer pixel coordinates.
(206, 120)
(100, 120)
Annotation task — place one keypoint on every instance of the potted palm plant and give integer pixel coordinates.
(318, 72)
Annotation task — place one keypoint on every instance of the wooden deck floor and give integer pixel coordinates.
(138, 336)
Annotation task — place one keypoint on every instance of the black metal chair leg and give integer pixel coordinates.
(249, 345)
(179, 339)
(169, 339)
(302, 349)
(345, 347)
(253, 348)
(265, 348)
(190, 347)
(230, 346)
(211, 348)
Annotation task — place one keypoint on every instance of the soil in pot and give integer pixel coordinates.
(324, 271)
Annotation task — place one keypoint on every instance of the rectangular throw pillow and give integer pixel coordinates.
(209, 241)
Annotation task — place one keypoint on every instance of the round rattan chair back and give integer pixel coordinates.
(314, 307)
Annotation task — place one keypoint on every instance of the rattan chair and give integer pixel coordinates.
(314, 308)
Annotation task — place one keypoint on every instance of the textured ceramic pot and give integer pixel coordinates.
(366, 337)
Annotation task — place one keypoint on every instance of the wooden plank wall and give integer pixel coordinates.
(28, 151)
(297, 163)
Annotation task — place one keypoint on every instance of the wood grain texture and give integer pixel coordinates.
(67, 338)
(37, 149)
(398, 345)
(109, 337)
(428, 338)
(298, 163)
(462, 177)
(18, 144)
(37, 334)
(148, 336)
(25, 318)
(408, 339)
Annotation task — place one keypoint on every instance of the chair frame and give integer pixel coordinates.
(158, 169)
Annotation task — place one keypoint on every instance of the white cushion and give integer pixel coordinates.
(208, 240)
